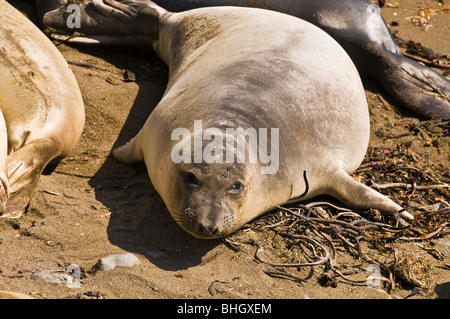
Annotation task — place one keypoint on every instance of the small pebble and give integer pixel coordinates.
(112, 261)
(51, 276)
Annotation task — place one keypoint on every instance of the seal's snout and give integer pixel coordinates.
(207, 224)
(208, 230)
(213, 229)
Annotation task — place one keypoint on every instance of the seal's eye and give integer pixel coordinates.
(190, 179)
(236, 188)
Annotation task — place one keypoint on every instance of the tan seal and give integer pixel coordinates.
(261, 109)
(42, 111)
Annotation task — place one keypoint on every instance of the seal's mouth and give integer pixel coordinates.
(202, 231)
(204, 235)
(201, 234)
(206, 226)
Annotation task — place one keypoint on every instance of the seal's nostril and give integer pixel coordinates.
(208, 230)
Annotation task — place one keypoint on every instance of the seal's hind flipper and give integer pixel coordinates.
(418, 88)
(25, 167)
(109, 17)
(355, 194)
(44, 6)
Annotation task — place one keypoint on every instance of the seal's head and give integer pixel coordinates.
(217, 188)
(211, 198)
(219, 177)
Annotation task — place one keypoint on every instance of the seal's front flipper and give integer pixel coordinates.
(4, 185)
(355, 194)
(25, 167)
(130, 152)
(419, 88)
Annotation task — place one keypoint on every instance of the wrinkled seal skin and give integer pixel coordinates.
(42, 108)
(358, 27)
(230, 68)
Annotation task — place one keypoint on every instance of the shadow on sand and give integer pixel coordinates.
(139, 221)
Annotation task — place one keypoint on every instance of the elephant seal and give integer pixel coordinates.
(356, 25)
(233, 78)
(42, 111)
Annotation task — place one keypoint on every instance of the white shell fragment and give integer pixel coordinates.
(112, 261)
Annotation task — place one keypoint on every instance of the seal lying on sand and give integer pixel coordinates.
(42, 111)
(233, 78)
(356, 25)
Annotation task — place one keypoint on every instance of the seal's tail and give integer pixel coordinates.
(419, 88)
